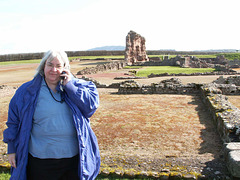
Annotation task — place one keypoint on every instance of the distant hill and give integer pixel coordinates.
(108, 48)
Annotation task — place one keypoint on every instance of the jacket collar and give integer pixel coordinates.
(35, 84)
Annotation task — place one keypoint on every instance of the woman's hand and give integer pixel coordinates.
(12, 159)
(67, 76)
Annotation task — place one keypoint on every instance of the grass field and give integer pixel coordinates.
(4, 176)
(145, 71)
(231, 56)
(20, 62)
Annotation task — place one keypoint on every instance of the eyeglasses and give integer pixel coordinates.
(51, 65)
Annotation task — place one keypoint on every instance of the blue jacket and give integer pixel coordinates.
(81, 96)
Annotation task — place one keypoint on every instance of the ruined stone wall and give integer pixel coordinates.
(226, 117)
(135, 48)
(171, 86)
(194, 62)
(215, 60)
(225, 86)
(234, 64)
(235, 80)
(220, 63)
(115, 65)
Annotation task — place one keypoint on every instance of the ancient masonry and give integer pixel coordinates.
(221, 64)
(226, 117)
(114, 65)
(135, 48)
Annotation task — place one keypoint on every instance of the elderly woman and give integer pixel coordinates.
(49, 136)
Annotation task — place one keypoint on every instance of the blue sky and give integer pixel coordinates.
(40, 25)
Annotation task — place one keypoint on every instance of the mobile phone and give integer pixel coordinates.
(63, 77)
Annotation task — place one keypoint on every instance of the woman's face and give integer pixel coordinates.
(53, 70)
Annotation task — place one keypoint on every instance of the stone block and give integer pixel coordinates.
(232, 146)
(233, 163)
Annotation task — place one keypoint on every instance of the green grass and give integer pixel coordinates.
(206, 56)
(20, 62)
(4, 176)
(145, 71)
(132, 67)
(231, 56)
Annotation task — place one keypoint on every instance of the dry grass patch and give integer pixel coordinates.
(154, 126)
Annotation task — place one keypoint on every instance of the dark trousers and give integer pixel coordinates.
(52, 169)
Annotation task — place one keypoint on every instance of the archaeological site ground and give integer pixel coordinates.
(142, 135)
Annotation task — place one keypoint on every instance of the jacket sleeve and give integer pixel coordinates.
(9, 135)
(84, 95)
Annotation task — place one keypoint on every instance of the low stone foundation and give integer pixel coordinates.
(115, 65)
(235, 80)
(171, 86)
(226, 116)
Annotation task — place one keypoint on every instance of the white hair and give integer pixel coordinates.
(49, 56)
